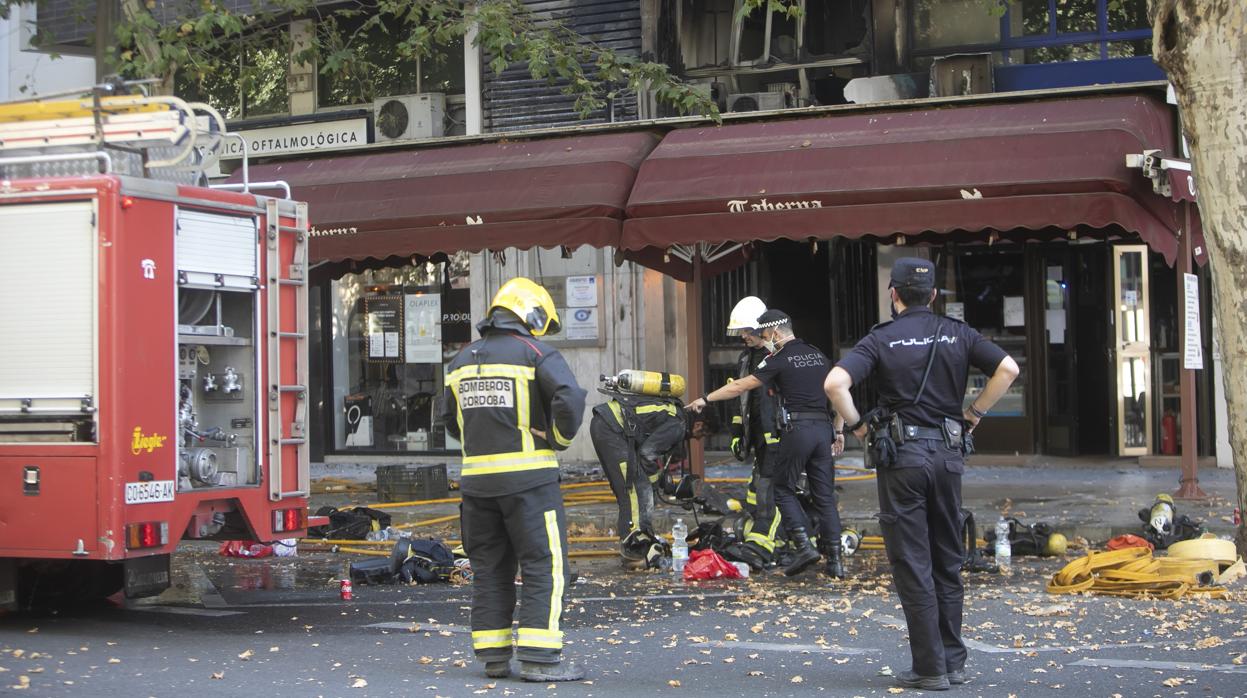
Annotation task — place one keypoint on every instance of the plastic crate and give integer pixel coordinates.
(409, 483)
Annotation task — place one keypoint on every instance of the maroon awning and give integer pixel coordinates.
(955, 169)
(559, 191)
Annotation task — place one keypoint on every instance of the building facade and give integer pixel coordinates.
(992, 141)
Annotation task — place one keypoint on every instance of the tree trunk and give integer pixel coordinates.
(148, 45)
(1202, 45)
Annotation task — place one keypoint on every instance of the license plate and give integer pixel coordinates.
(151, 491)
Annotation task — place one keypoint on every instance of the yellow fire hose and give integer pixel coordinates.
(1133, 572)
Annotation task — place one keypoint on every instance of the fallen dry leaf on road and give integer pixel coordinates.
(246, 655)
(1208, 642)
(218, 675)
(797, 679)
(1175, 681)
(895, 689)
(673, 683)
(1238, 659)
(114, 660)
(1060, 609)
(359, 683)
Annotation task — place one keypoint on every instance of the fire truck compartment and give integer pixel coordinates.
(48, 325)
(218, 362)
(48, 505)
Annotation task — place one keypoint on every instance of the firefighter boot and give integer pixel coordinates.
(498, 670)
(835, 561)
(562, 671)
(805, 554)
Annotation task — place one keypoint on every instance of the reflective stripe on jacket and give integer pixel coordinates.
(655, 427)
(499, 390)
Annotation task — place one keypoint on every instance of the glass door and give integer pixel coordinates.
(1133, 350)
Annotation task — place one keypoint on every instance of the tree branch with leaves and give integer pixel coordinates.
(203, 43)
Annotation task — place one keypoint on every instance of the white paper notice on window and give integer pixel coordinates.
(582, 291)
(1192, 344)
(956, 311)
(391, 345)
(423, 333)
(376, 345)
(1015, 311)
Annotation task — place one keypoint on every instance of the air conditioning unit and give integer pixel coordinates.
(408, 117)
(755, 101)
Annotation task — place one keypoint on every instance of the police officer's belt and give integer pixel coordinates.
(923, 433)
(809, 416)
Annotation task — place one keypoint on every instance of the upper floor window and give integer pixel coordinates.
(251, 82)
(376, 65)
(715, 35)
(1031, 31)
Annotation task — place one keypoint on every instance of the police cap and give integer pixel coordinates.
(913, 272)
(773, 318)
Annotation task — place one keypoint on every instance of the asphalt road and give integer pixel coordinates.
(277, 628)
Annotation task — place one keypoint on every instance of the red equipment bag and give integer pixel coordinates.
(244, 548)
(707, 564)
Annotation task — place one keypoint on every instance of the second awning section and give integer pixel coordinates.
(953, 170)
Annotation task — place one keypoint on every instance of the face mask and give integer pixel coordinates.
(769, 345)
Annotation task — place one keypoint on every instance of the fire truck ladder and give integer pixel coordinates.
(287, 336)
(161, 137)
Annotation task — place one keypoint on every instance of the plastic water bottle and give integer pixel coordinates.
(1004, 551)
(679, 547)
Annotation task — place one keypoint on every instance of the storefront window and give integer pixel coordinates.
(985, 289)
(394, 330)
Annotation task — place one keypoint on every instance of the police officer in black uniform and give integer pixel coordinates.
(795, 370)
(916, 438)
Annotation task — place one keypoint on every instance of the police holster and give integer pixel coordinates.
(884, 434)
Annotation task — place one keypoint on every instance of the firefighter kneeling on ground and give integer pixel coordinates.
(512, 401)
(634, 436)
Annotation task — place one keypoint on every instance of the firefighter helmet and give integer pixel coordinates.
(531, 303)
(744, 317)
(1056, 545)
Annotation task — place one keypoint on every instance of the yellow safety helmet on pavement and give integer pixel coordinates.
(744, 316)
(531, 303)
(1056, 545)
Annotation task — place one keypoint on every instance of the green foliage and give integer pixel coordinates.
(367, 47)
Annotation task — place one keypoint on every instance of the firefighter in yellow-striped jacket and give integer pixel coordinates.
(512, 401)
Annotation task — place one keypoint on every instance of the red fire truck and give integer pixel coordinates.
(153, 347)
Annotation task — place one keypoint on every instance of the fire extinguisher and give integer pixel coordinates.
(1169, 433)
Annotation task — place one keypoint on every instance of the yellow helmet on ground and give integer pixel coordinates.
(531, 303)
(1056, 545)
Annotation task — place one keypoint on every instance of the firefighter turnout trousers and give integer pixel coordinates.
(807, 448)
(524, 530)
(632, 489)
(920, 515)
(763, 524)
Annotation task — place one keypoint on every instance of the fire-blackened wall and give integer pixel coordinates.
(513, 100)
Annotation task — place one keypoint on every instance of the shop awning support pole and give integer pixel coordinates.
(696, 356)
(1188, 483)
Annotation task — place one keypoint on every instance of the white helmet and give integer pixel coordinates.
(744, 316)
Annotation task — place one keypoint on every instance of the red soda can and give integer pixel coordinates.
(345, 590)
